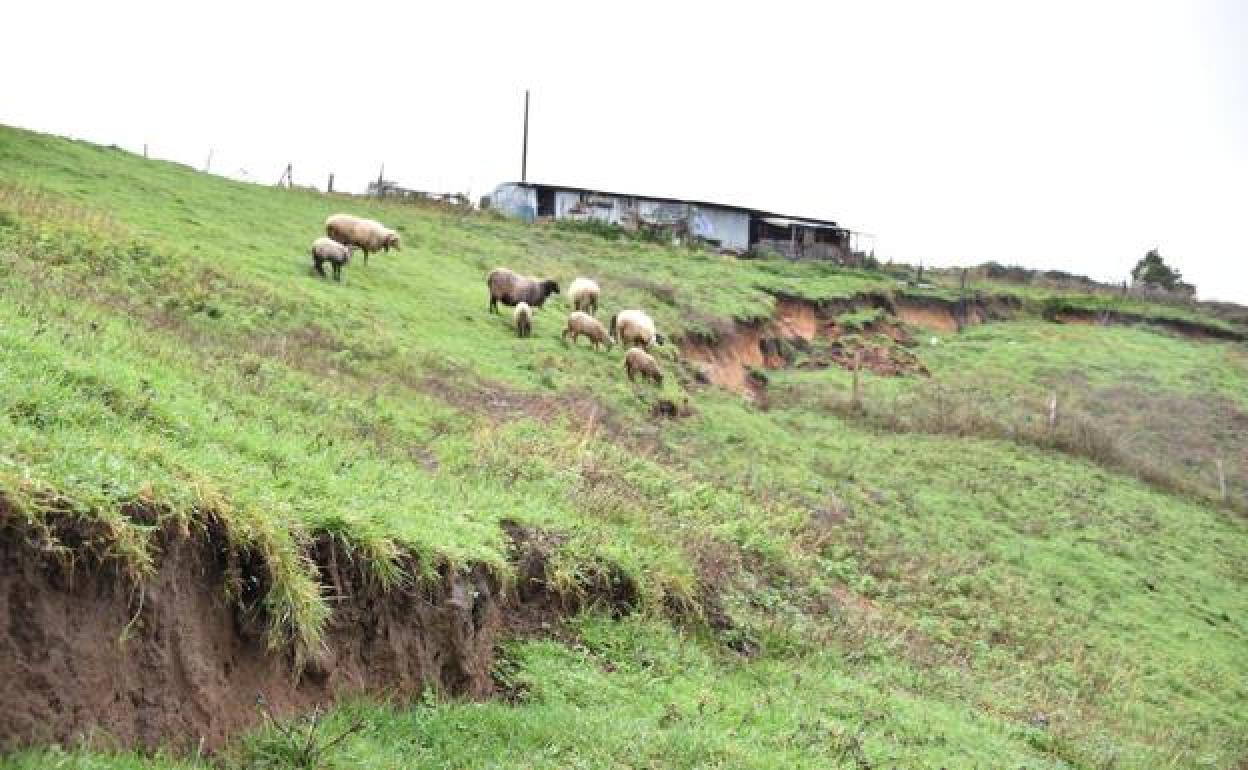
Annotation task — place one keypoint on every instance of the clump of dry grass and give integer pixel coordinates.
(19, 203)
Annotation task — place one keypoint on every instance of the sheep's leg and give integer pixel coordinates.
(493, 304)
(320, 269)
(338, 271)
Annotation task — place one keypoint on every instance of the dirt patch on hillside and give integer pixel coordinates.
(173, 662)
(728, 360)
(929, 317)
(797, 318)
(805, 334)
(946, 315)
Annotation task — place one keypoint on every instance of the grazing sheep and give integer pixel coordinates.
(510, 288)
(638, 361)
(331, 251)
(365, 234)
(523, 316)
(585, 324)
(633, 327)
(583, 294)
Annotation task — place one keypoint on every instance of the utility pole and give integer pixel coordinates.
(524, 152)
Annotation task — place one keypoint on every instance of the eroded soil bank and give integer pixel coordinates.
(174, 663)
(804, 333)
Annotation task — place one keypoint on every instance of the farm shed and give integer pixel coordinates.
(731, 228)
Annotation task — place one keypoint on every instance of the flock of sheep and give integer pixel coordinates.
(343, 233)
(632, 329)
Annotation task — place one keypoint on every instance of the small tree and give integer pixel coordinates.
(1152, 270)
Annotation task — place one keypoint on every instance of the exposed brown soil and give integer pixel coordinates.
(797, 318)
(938, 319)
(740, 348)
(85, 652)
(727, 360)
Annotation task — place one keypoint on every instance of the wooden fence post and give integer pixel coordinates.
(330, 186)
(856, 394)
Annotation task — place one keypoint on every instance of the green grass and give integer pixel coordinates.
(908, 599)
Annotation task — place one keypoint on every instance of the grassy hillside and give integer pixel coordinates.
(898, 592)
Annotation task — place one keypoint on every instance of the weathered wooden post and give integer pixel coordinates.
(524, 149)
(856, 393)
(330, 187)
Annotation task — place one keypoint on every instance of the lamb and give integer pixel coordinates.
(633, 327)
(638, 361)
(585, 324)
(523, 317)
(367, 235)
(331, 251)
(583, 294)
(510, 288)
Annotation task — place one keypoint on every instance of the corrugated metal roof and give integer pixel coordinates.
(790, 222)
(806, 221)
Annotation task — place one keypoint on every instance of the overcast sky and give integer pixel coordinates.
(1071, 135)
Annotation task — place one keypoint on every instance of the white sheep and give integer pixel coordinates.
(331, 251)
(523, 318)
(367, 235)
(583, 294)
(633, 327)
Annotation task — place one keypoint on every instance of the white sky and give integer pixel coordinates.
(1068, 135)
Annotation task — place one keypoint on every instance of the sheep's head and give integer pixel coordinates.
(392, 242)
(659, 339)
(549, 287)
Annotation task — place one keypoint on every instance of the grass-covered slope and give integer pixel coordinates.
(891, 599)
